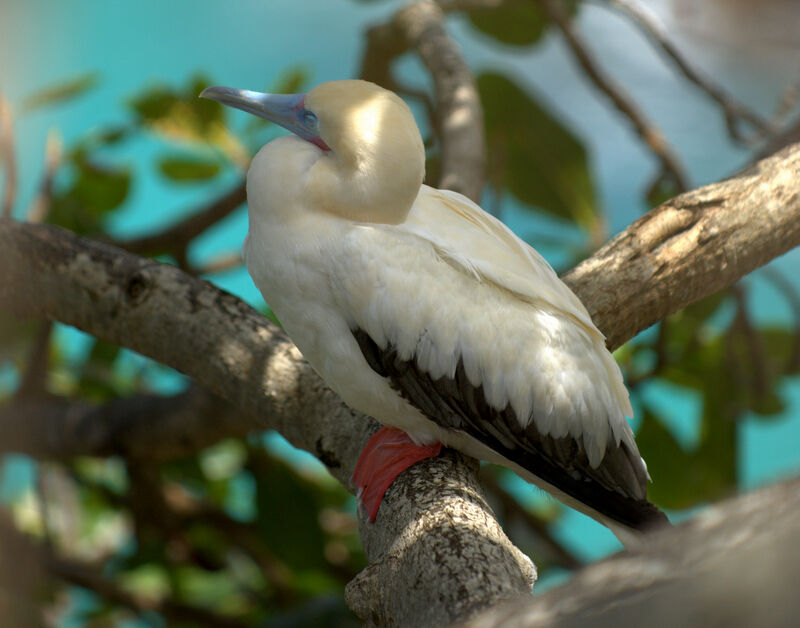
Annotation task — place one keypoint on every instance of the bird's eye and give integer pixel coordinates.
(309, 119)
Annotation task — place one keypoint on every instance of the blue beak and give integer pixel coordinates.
(287, 110)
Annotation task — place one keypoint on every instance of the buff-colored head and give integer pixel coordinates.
(369, 159)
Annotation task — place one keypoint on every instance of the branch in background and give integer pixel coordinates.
(142, 426)
(648, 133)
(688, 248)
(733, 110)
(176, 239)
(787, 137)
(220, 264)
(34, 380)
(420, 26)
(733, 565)
(8, 157)
(758, 368)
(786, 103)
(785, 287)
(53, 153)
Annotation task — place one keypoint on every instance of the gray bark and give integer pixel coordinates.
(735, 565)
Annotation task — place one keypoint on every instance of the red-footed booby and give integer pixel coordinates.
(420, 309)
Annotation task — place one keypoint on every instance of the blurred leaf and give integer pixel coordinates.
(155, 103)
(188, 473)
(179, 115)
(97, 378)
(149, 581)
(533, 155)
(61, 92)
(16, 334)
(208, 589)
(287, 512)
(705, 308)
(188, 169)
(519, 23)
(96, 190)
(770, 405)
(684, 479)
(513, 23)
(113, 135)
(784, 347)
(663, 188)
(291, 81)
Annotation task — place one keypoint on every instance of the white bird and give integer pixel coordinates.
(420, 309)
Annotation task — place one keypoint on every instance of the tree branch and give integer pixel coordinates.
(176, 238)
(734, 565)
(648, 133)
(459, 113)
(8, 157)
(732, 109)
(142, 426)
(53, 154)
(691, 246)
(678, 253)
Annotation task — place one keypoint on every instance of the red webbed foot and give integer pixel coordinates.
(387, 454)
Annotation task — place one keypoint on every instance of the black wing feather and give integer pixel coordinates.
(616, 488)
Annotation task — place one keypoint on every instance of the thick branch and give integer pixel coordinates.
(459, 122)
(735, 565)
(680, 252)
(692, 246)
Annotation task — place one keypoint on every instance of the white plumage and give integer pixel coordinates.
(401, 295)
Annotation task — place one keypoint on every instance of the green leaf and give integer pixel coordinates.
(512, 23)
(187, 169)
(16, 335)
(291, 81)
(520, 23)
(97, 375)
(60, 92)
(155, 103)
(179, 114)
(533, 155)
(684, 479)
(663, 188)
(288, 505)
(96, 190)
(784, 348)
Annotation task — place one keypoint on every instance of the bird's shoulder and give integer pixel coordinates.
(481, 245)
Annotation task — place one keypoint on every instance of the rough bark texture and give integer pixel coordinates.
(735, 565)
(425, 538)
(686, 249)
(691, 246)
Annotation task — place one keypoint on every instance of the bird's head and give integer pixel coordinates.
(370, 160)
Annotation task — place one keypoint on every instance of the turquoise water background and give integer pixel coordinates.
(248, 43)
